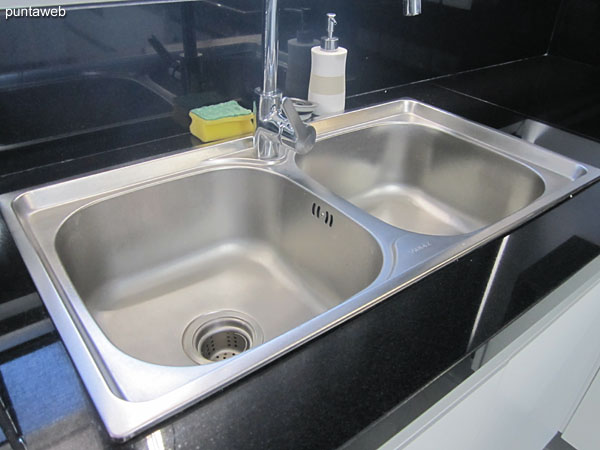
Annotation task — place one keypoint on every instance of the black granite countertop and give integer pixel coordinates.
(358, 384)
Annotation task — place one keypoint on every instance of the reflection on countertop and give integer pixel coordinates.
(41, 112)
(552, 89)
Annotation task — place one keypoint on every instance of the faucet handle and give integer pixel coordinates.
(305, 135)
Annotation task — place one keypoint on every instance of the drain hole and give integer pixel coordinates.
(223, 344)
(220, 335)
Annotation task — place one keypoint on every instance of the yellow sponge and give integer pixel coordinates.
(221, 121)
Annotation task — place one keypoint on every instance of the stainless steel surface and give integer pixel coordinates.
(297, 136)
(271, 47)
(411, 7)
(237, 238)
(416, 177)
(141, 266)
(220, 335)
(560, 141)
(330, 42)
(279, 127)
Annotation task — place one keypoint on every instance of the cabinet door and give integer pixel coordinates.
(531, 394)
(582, 431)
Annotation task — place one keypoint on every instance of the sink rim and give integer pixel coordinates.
(407, 257)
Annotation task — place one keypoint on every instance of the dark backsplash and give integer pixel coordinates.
(578, 31)
(385, 48)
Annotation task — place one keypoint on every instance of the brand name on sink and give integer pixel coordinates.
(419, 247)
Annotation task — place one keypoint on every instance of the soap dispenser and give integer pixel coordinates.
(327, 86)
(299, 56)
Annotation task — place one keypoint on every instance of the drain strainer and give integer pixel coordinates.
(220, 335)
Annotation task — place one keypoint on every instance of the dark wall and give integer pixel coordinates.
(577, 34)
(450, 36)
(385, 48)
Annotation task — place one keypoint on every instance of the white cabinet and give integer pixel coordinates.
(583, 430)
(527, 392)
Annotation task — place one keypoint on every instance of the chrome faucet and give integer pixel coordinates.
(411, 7)
(279, 126)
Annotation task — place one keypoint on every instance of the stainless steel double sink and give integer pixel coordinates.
(171, 278)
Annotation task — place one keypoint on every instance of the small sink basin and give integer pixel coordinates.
(171, 278)
(233, 247)
(422, 179)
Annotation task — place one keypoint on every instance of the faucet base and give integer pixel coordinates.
(267, 145)
(266, 140)
(267, 102)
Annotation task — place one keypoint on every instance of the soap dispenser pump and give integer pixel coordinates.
(327, 86)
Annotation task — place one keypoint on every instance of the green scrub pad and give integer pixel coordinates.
(221, 111)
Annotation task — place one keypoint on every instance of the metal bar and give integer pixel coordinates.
(271, 48)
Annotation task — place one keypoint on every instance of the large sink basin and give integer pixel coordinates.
(237, 247)
(171, 278)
